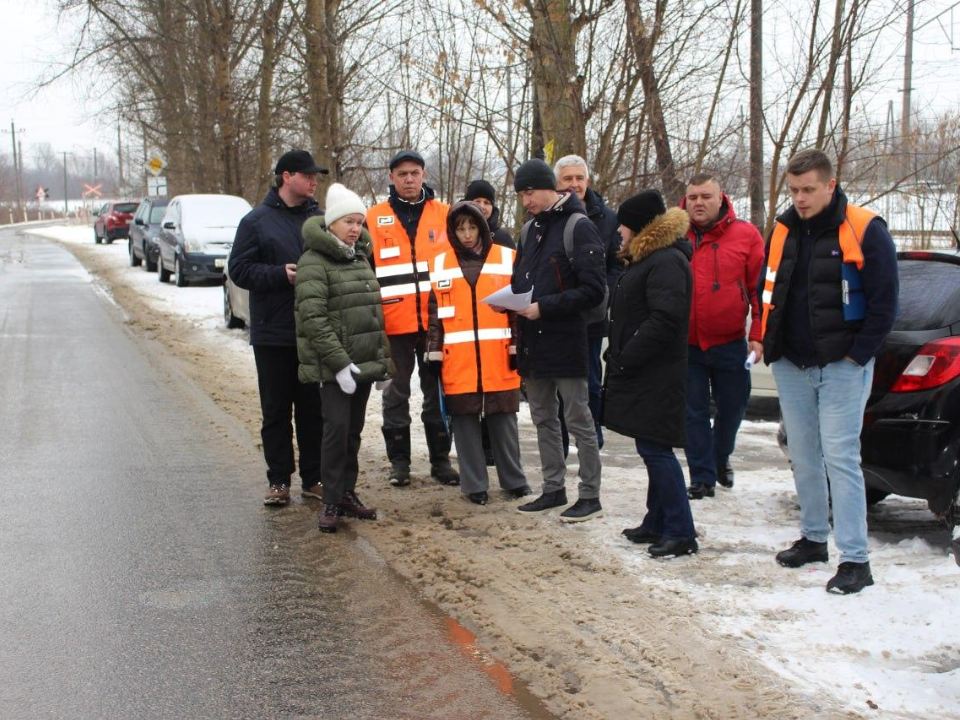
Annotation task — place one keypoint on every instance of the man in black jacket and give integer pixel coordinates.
(830, 295)
(552, 350)
(573, 174)
(264, 261)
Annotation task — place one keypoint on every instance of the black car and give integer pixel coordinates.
(910, 443)
(145, 233)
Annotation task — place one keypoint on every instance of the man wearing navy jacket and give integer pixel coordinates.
(829, 296)
(263, 260)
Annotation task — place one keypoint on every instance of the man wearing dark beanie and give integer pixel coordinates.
(552, 345)
(482, 193)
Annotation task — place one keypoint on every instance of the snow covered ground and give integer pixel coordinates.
(892, 650)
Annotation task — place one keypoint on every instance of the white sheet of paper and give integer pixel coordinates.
(505, 297)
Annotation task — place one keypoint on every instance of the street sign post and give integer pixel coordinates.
(157, 186)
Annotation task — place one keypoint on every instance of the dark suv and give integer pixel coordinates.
(113, 221)
(145, 233)
(910, 443)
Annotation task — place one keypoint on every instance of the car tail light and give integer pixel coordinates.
(936, 363)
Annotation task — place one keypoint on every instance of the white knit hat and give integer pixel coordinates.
(341, 202)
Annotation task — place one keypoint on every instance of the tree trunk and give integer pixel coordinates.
(268, 63)
(321, 75)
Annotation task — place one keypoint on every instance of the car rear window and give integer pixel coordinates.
(125, 207)
(929, 295)
(156, 214)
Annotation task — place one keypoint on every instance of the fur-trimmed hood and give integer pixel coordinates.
(663, 232)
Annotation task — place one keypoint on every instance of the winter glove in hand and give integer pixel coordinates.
(512, 357)
(345, 379)
(434, 361)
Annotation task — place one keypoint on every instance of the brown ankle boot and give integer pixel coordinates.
(350, 505)
(329, 518)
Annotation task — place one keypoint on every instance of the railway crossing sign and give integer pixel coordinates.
(92, 190)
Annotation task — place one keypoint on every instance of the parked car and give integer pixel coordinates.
(196, 236)
(910, 443)
(236, 302)
(113, 221)
(145, 233)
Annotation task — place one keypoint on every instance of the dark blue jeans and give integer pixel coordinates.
(717, 372)
(668, 509)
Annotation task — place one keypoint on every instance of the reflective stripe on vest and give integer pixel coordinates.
(405, 284)
(850, 235)
(475, 337)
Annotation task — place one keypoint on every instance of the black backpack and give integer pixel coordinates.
(598, 312)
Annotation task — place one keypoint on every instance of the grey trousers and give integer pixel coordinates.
(407, 352)
(505, 443)
(544, 405)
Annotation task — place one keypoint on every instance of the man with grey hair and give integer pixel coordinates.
(573, 174)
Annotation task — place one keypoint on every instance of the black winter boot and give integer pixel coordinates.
(438, 442)
(398, 452)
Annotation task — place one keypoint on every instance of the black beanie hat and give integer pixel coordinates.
(534, 174)
(481, 189)
(640, 210)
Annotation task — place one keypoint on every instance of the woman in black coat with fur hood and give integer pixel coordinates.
(645, 387)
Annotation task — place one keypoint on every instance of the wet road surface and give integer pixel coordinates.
(139, 574)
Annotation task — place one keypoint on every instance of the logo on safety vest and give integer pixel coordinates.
(441, 284)
(385, 220)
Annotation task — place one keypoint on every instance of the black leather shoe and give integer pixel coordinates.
(851, 578)
(725, 475)
(673, 548)
(803, 551)
(698, 491)
(640, 536)
(478, 498)
(545, 503)
(583, 509)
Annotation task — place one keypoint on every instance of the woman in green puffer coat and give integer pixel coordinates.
(341, 342)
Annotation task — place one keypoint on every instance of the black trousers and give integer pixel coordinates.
(343, 417)
(282, 395)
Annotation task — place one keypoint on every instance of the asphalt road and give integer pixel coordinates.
(139, 574)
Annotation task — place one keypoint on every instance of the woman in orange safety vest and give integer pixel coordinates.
(473, 347)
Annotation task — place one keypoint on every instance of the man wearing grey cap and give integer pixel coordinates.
(408, 230)
(552, 348)
(263, 260)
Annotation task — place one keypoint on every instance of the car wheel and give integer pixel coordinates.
(232, 321)
(134, 260)
(96, 236)
(162, 274)
(148, 264)
(178, 276)
(106, 237)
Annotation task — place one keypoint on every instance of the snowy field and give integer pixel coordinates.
(891, 651)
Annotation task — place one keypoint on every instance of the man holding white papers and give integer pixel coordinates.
(552, 354)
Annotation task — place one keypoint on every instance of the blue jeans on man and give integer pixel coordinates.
(716, 372)
(822, 411)
(668, 508)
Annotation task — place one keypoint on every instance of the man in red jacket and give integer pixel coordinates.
(726, 264)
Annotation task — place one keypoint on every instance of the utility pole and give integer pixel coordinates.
(94, 163)
(17, 161)
(756, 114)
(907, 83)
(119, 158)
(66, 209)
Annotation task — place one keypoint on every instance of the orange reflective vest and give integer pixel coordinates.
(403, 267)
(475, 337)
(850, 235)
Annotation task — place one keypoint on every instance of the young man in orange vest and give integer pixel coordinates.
(829, 299)
(408, 230)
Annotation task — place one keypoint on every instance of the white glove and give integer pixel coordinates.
(345, 379)
(382, 385)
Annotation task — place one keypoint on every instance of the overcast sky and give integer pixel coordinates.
(68, 115)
